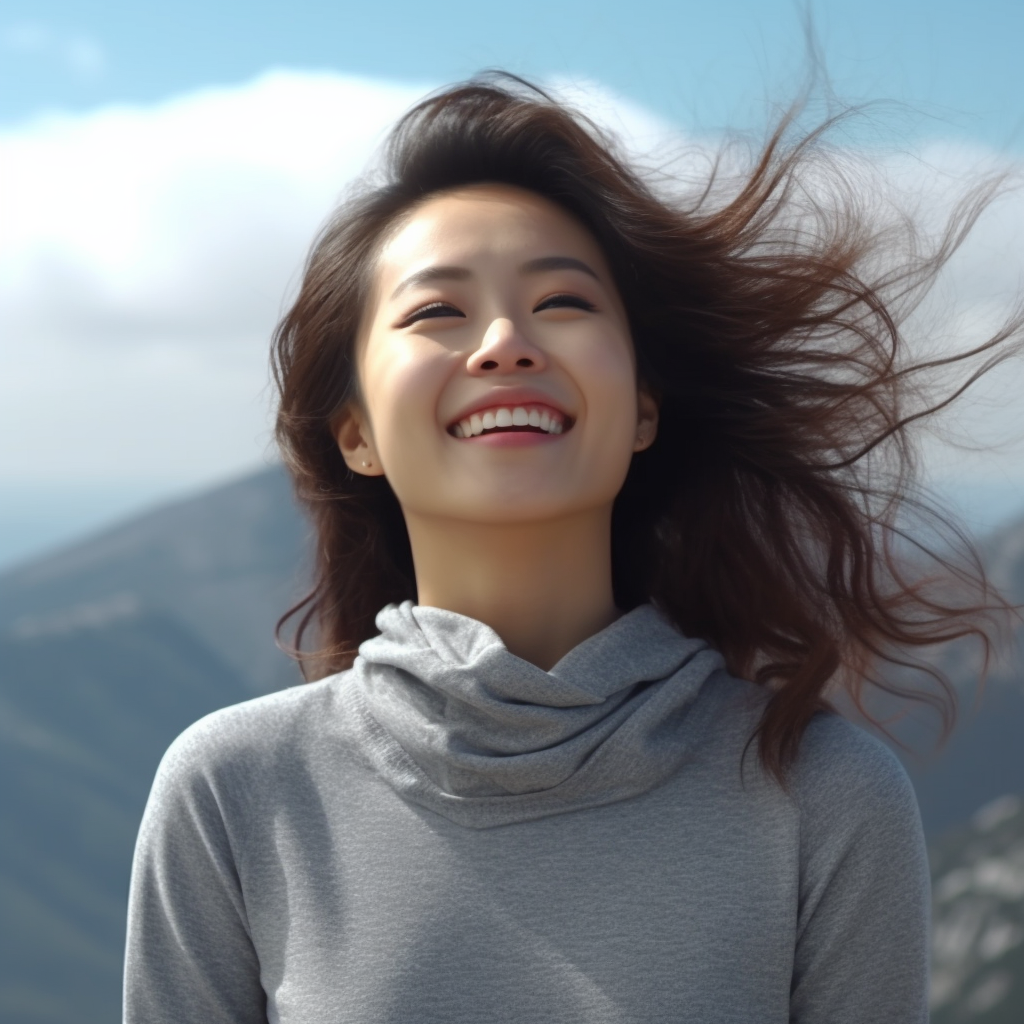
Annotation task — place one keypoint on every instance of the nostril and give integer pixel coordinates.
(524, 362)
(488, 364)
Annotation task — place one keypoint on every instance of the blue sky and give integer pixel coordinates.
(699, 64)
(162, 168)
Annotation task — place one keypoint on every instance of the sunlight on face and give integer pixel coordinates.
(496, 365)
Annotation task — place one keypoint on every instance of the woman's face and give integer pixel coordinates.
(496, 367)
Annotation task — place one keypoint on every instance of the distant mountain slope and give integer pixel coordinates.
(224, 564)
(978, 944)
(107, 651)
(84, 718)
(984, 758)
(109, 648)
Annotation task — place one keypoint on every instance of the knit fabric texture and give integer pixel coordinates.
(447, 834)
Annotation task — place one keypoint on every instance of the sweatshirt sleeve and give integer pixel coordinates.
(189, 956)
(863, 920)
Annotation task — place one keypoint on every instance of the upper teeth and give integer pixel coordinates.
(516, 416)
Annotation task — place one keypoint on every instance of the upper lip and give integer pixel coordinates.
(509, 398)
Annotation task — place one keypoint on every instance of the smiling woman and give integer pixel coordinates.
(514, 315)
(604, 491)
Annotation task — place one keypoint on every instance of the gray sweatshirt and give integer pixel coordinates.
(446, 833)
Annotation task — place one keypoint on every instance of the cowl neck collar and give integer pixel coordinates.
(456, 723)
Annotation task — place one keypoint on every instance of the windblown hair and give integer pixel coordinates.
(768, 517)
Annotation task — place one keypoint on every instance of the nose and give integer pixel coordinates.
(505, 349)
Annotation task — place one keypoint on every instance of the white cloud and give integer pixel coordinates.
(145, 257)
(147, 252)
(980, 441)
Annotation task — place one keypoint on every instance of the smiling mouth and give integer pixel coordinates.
(522, 419)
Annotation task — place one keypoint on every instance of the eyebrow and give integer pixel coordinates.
(431, 274)
(537, 266)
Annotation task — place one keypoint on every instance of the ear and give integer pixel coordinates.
(646, 420)
(351, 429)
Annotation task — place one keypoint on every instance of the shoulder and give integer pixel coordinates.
(836, 757)
(843, 779)
(246, 740)
(841, 766)
(857, 810)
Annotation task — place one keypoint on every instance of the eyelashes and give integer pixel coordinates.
(439, 309)
(431, 311)
(559, 301)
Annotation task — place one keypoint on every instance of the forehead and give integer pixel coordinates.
(483, 223)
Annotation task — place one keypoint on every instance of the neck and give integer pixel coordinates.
(542, 587)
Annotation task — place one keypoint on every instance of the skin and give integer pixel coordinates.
(514, 534)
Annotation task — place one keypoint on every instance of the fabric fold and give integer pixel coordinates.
(456, 723)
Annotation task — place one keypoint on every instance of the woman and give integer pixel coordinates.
(604, 464)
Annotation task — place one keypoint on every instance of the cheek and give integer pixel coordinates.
(401, 383)
(608, 377)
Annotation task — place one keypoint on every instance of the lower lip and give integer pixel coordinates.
(511, 439)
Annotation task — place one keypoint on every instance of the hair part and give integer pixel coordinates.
(767, 517)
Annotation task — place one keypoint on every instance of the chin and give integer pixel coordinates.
(521, 507)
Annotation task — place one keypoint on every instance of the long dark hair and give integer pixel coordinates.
(768, 516)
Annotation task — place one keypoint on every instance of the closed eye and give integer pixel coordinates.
(430, 311)
(561, 301)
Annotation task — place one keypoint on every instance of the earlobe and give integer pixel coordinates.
(647, 421)
(355, 442)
